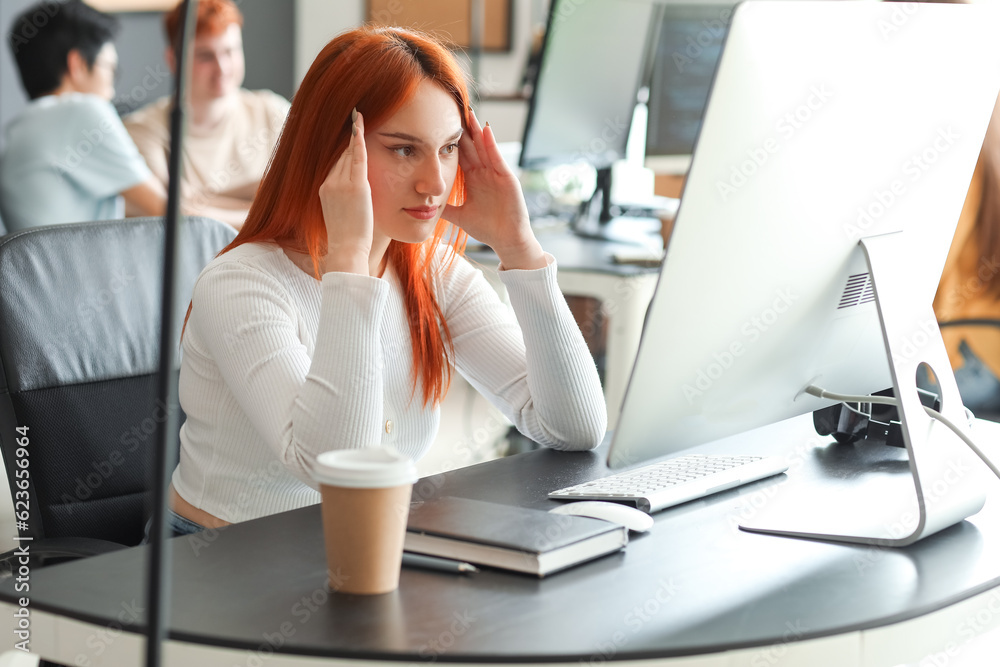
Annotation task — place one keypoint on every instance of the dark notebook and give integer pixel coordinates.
(512, 538)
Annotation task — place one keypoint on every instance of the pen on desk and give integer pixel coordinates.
(435, 563)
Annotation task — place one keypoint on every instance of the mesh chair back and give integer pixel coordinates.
(79, 352)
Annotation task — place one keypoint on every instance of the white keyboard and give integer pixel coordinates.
(675, 481)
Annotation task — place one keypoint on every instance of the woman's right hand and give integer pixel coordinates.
(346, 198)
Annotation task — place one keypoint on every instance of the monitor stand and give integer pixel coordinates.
(596, 222)
(945, 471)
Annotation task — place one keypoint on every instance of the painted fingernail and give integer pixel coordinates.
(354, 115)
(487, 123)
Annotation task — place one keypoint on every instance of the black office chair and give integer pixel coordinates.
(979, 387)
(79, 351)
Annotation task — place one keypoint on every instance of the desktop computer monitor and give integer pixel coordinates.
(837, 147)
(683, 61)
(587, 84)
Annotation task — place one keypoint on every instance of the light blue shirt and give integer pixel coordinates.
(67, 159)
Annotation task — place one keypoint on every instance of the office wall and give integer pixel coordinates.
(318, 21)
(269, 35)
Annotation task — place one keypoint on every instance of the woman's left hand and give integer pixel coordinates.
(494, 211)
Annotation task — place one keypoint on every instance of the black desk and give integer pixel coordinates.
(593, 254)
(695, 585)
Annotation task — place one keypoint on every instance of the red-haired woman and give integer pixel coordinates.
(333, 318)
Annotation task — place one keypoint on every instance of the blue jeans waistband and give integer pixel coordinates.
(178, 524)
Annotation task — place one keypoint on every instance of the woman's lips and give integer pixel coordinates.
(423, 212)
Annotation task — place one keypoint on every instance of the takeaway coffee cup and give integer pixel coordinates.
(366, 501)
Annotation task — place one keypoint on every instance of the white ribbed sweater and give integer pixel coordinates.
(278, 367)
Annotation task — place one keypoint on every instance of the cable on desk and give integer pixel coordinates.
(819, 392)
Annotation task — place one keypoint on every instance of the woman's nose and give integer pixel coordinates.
(430, 177)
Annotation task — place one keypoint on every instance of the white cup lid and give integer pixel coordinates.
(368, 468)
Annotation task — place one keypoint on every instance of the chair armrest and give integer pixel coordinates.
(55, 549)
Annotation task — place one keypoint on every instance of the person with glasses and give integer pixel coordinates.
(68, 157)
(231, 131)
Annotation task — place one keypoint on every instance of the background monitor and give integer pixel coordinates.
(827, 122)
(686, 51)
(585, 91)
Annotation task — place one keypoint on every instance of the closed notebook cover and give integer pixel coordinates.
(518, 528)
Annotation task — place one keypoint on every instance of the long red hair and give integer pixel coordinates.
(375, 70)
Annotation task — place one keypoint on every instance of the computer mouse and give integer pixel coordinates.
(630, 517)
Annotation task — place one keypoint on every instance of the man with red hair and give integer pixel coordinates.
(230, 131)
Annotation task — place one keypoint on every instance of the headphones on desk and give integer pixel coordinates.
(851, 422)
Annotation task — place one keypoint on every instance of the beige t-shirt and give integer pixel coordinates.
(222, 166)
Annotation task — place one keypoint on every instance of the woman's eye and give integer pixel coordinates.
(403, 151)
(449, 149)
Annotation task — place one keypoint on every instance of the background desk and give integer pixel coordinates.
(623, 291)
(694, 591)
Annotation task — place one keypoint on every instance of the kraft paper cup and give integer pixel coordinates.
(366, 501)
